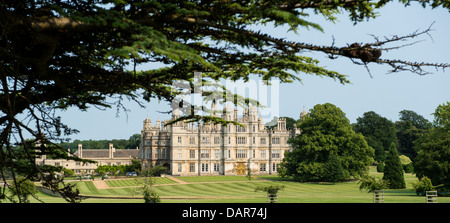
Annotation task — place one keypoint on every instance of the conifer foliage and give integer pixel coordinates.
(393, 170)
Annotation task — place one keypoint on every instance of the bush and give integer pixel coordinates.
(409, 168)
(423, 185)
(271, 190)
(405, 160)
(380, 168)
(155, 171)
(372, 184)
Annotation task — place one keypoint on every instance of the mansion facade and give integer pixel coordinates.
(187, 149)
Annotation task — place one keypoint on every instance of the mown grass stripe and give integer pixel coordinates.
(138, 182)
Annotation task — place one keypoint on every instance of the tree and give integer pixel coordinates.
(133, 141)
(23, 189)
(393, 170)
(377, 130)
(327, 141)
(290, 122)
(410, 127)
(433, 150)
(135, 166)
(333, 171)
(415, 119)
(147, 190)
(58, 54)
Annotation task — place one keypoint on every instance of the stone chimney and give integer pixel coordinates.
(80, 150)
(111, 151)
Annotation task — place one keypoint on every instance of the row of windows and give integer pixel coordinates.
(238, 140)
(216, 167)
(160, 142)
(162, 153)
(240, 153)
(205, 153)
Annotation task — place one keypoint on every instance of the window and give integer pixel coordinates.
(205, 140)
(229, 153)
(229, 140)
(179, 167)
(216, 154)
(204, 167)
(263, 140)
(263, 154)
(191, 153)
(262, 167)
(192, 167)
(216, 140)
(276, 140)
(241, 153)
(240, 128)
(179, 154)
(274, 167)
(157, 153)
(253, 128)
(204, 153)
(254, 153)
(216, 167)
(192, 140)
(253, 140)
(179, 139)
(241, 140)
(163, 155)
(275, 153)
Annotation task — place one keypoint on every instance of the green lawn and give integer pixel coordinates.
(213, 178)
(238, 189)
(138, 182)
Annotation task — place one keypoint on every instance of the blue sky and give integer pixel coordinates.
(386, 94)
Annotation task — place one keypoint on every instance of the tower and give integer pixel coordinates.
(303, 113)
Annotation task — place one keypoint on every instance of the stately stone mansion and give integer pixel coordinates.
(188, 149)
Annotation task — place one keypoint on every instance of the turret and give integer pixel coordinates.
(303, 113)
(253, 113)
(147, 124)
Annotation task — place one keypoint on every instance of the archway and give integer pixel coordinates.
(167, 166)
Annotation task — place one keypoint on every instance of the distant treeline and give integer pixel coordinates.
(130, 143)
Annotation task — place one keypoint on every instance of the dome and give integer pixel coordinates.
(303, 113)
